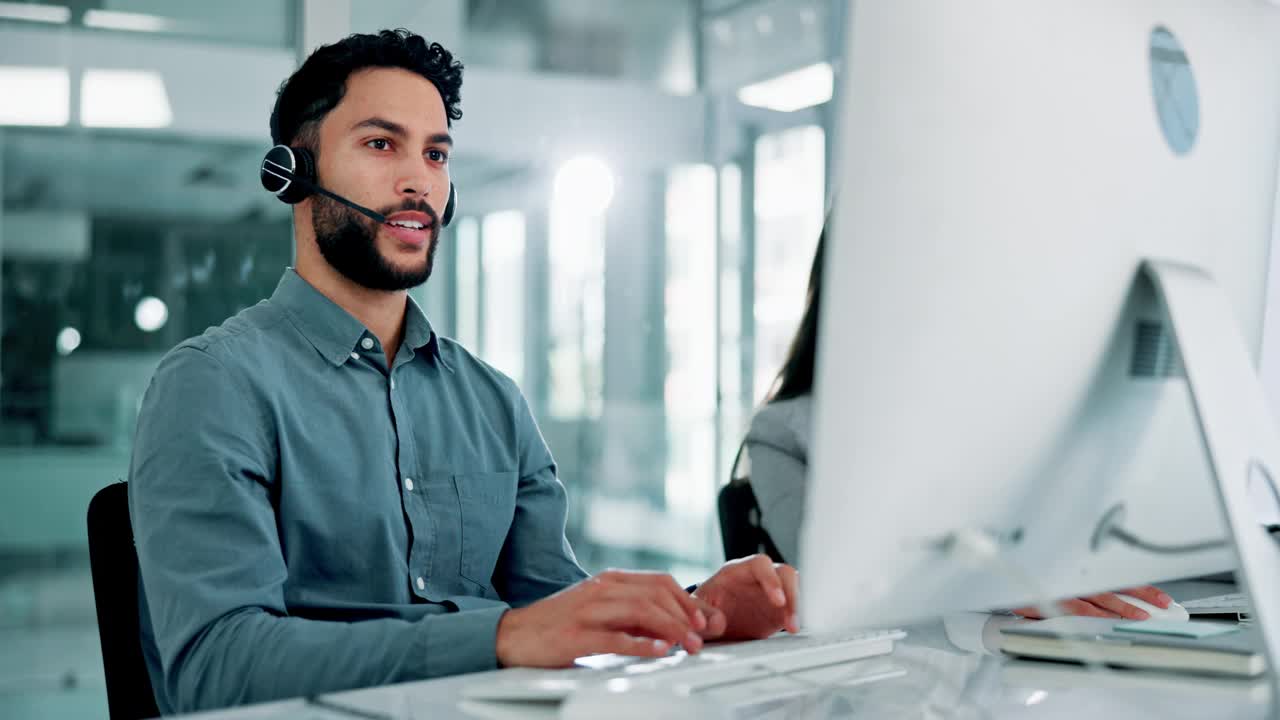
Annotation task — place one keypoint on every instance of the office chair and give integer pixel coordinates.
(113, 562)
(740, 530)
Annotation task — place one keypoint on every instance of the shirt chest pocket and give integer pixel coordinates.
(488, 504)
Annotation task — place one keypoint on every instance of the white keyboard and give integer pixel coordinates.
(1232, 602)
(716, 666)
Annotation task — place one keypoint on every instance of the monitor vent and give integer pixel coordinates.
(1154, 355)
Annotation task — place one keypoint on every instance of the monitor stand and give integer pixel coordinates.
(1240, 434)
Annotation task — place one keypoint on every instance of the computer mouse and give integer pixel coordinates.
(627, 701)
(1174, 612)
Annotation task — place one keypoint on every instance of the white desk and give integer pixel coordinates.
(940, 681)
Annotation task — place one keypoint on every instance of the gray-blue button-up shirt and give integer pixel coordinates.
(308, 520)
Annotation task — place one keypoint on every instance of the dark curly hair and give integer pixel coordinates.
(318, 86)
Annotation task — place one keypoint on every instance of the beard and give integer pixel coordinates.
(348, 242)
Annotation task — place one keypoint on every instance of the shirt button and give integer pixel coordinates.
(393, 383)
(355, 356)
(367, 343)
(408, 484)
(422, 584)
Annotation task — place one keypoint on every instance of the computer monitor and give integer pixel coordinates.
(1027, 192)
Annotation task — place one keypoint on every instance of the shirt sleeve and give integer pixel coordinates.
(213, 573)
(536, 559)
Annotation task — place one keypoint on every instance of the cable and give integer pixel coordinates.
(1137, 542)
(1110, 527)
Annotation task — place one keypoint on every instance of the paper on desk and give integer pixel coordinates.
(1189, 629)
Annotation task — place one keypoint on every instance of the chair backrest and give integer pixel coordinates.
(113, 560)
(741, 531)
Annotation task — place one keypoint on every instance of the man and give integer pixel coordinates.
(325, 494)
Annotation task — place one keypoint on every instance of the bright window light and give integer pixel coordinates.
(124, 99)
(35, 96)
(68, 340)
(467, 247)
(503, 265)
(791, 91)
(57, 14)
(583, 189)
(689, 393)
(151, 314)
(136, 22)
(586, 182)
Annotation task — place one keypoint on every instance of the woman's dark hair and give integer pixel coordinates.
(318, 86)
(796, 377)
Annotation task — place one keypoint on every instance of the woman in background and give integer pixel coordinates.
(777, 450)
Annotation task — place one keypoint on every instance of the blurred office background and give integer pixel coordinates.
(642, 184)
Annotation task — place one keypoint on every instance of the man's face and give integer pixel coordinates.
(385, 146)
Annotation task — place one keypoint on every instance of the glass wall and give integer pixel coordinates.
(648, 43)
(466, 250)
(581, 196)
(112, 250)
(790, 169)
(502, 273)
(265, 23)
(690, 320)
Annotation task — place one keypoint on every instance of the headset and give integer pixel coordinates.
(290, 174)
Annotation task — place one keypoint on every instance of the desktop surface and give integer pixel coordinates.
(926, 676)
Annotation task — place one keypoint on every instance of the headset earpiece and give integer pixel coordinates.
(450, 207)
(282, 167)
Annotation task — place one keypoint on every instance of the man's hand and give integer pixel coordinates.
(1107, 605)
(629, 613)
(755, 598)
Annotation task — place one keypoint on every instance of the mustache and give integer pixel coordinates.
(412, 206)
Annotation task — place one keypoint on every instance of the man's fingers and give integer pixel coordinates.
(639, 614)
(670, 587)
(791, 586)
(1106, 605)
(766, 574)
(717, 623)
(1113, 603)
(661, 596)
(614, 641)
(1153, 595)
(1076, 606)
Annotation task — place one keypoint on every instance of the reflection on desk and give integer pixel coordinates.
(1048, 676)
(933, 682)
(927, 676)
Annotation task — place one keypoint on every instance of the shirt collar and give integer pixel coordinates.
(418, 333)
(334, 332)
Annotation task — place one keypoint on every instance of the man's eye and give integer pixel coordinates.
(437, 156)
(378, 144)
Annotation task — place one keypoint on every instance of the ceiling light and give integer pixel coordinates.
(136, 22)
(56, 14)
(124, 99)
(35, 96)
(796, 90)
